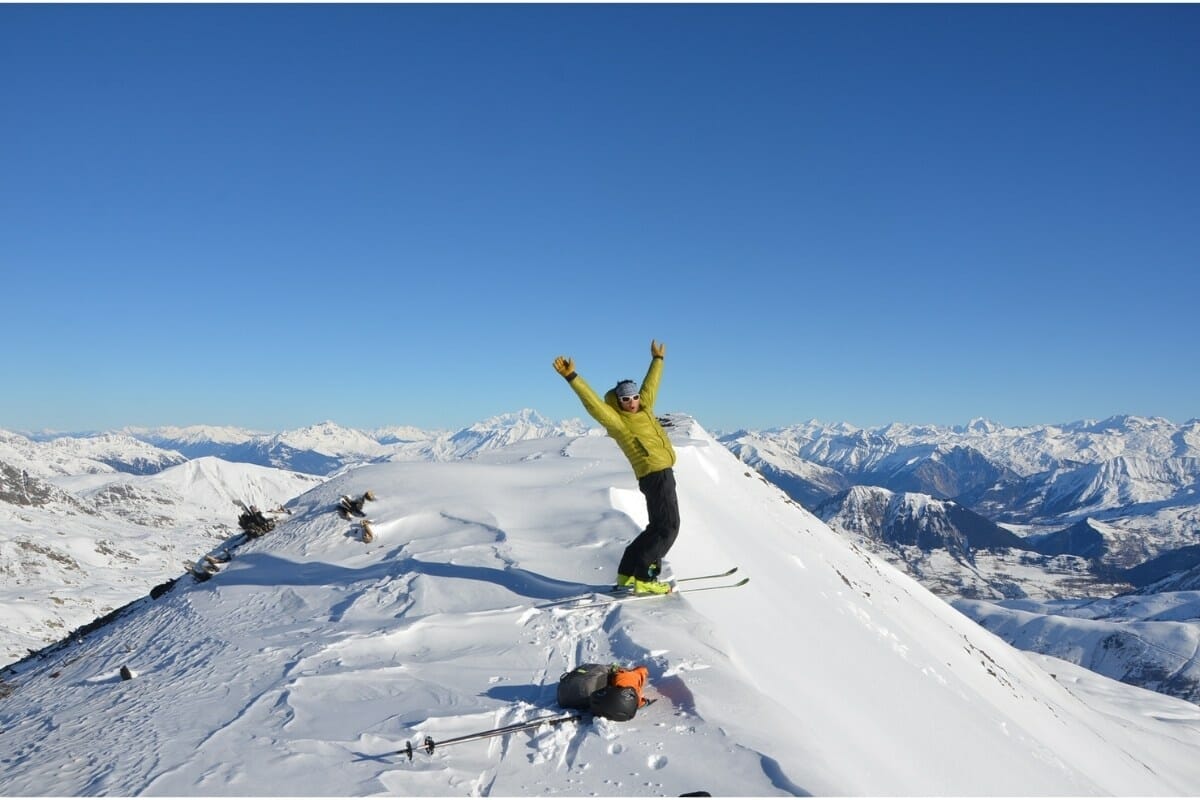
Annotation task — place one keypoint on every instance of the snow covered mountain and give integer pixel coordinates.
(317, 449)
(325, 448)
(74, 455)
(916, 520)
(1144, 640)
(1120, 483)
(507, 429)
(1092, 510)
(958, 553)
(1135, 480)
(481, 437)
(194, 441)
(303, 666)
(776, 458)
(945, 545)
(404, 434)
(122, 511)
(75, 547)
(1077, 467)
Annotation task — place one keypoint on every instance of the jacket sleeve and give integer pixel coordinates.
(649, 388)
(597, 408)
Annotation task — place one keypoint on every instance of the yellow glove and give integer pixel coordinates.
(658, 349)
(565, 367)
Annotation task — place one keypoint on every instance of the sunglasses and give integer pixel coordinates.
(630, 397)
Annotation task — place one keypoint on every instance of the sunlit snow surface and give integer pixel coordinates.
(311, 658)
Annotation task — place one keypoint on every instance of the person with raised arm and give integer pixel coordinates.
(627, 414)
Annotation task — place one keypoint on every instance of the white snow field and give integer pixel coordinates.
(311, 658)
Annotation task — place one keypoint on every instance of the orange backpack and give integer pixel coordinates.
(633, 677)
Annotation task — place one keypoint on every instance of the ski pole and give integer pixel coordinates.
(430, 745)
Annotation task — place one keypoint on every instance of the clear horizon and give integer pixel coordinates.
(51, 432)
(267, 216)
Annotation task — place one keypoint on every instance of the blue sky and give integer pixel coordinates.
(273, 215)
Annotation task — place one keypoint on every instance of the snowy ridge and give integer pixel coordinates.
(311, 657)
(211, 486)
(957, 553)
(1146, 641)
(1139, 476)
(328, 447)
(68, 557)
(910, 518)
(1121, 481)
(180, 438)
(1103, 507)
(1024, 451)
(404, 434)
(69, 455)
(508, 429)
(489, 434)
(332, 439)
(806, 481)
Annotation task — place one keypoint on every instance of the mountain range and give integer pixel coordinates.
(995, 520)
(1014, 526)
(1115, 493)
(307, 657)
(92, 521)
(327, 447)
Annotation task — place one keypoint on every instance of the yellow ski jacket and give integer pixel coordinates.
(638, 434)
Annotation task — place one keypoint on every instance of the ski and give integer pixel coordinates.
(610, 600)
(724, 574)
(599, 592)
(429, 745)
(601, 599)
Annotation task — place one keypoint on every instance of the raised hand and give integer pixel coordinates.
(564, 366)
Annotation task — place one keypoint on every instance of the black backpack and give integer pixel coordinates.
(575, 688)
(618, 703)
(611, 692)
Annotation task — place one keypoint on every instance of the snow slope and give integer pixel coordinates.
(311, 658)
(101, 540)
(1150, 641)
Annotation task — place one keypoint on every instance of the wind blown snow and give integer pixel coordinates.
(304, 666)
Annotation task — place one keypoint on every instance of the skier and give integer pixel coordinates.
(627, 413)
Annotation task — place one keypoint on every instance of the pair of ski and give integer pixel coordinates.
(609, 595)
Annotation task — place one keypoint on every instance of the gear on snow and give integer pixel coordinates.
(348, 506)
(613, 692)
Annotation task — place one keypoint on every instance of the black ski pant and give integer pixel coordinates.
(653, 543)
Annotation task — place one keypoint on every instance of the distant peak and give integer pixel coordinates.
(983, 425)
(526, 416)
